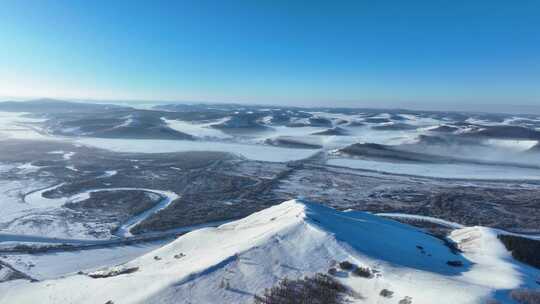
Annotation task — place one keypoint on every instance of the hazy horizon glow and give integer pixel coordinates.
(347, 53)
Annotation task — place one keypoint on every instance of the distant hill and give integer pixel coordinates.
(55, 106)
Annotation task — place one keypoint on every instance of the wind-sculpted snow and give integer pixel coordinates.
(230, 263)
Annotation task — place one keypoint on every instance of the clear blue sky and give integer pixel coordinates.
(298, 52)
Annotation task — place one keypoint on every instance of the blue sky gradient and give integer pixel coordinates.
(347, 53)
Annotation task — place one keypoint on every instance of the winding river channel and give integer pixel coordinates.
(36, 198)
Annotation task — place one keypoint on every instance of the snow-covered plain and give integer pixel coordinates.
(202, 130)
(13, 190)
(19, 126)
(26, 212)
(457, 171)
(65, 155)
(250, 151)
(37, 201)
(230, 263)
(513, 145)
(254, 146)
(57, 264)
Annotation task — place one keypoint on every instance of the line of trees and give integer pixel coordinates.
(523, 249)
(319, 289)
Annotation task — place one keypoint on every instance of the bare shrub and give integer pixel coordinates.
(363, 272)
(526, 296)
(406, 300)
(386, 293)
(455, 263)
(346, 265)
(112, 272)
(319, 289)
(224, 284)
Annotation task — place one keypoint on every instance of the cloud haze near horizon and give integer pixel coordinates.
(437, 55)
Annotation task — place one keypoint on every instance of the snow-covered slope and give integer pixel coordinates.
(230, 263)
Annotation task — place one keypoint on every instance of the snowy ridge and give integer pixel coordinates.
(481, 246)
(230, 263)
(415, 217)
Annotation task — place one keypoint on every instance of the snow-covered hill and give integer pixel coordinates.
(231, 263)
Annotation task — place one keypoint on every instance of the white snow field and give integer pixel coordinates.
(12, 191)
(57, 227)
(26, 212)
(515, 145)
(422, 218)
(230, 263)
(18, 126)
(203, 130)
(57, 264)
(250, 151)
(453, 171)
(124, 230)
